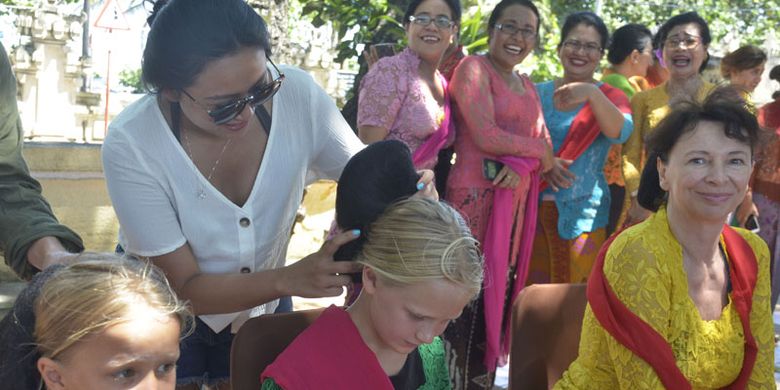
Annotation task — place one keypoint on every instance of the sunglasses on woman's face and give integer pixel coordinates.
(258, 95)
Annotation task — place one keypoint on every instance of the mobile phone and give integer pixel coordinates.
(383, 50)
(752, 224)
(490, 168)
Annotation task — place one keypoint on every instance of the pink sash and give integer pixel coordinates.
(328, 354)
(430, 148)
(497, 246)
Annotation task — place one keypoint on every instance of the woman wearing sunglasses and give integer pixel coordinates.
(404, 97)
(206, 173)
(683, 41)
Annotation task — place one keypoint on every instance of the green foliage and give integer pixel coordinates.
(357, 22)
(132, 79)
(747, 20)
(379, 21)
(473, 33)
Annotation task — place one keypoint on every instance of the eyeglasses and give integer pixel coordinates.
(589, 48)
(258, 95)
(686, 41)
(440, 21)
(511, 29)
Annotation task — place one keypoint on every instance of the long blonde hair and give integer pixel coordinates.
(417, 240)
(95, 292)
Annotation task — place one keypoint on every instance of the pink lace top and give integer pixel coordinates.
(392, 96)
(492, 120)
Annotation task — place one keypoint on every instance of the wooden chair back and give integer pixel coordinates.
(260, 340)
(546, 326)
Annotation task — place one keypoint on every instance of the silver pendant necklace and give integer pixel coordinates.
(201, 193)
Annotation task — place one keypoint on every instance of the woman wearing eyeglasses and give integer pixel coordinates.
(502, 145)
(684, 41)
(206, 173)
(585, 117)
(404, 97)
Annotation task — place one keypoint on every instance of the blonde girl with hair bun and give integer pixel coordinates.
(421, 268)
(102, 322)
(437, 247)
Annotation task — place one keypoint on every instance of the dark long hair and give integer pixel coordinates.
(186, 35)
(375, 177)
(625, 40)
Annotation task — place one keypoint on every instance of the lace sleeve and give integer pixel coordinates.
(470, 89)
(639, 282)
(382, 92)
(435, 366)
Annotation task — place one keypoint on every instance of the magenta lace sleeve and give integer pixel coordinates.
(470, 88)
(382, 91)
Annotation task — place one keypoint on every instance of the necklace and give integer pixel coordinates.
(201, 193)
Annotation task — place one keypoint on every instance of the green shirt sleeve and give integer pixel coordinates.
(25, 216)
(620, 82)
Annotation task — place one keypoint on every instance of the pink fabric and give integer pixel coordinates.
(330, 351)
(429, 150)
(497, 251)
(392, 96)
(491, 120)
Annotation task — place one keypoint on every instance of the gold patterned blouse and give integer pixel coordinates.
(644, 267)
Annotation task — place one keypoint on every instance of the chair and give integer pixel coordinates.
(260, 340)
(546, 326)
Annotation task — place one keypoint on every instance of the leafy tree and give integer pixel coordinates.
(747, 21)
(132, 78)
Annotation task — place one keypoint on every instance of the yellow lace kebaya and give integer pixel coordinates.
(644, 267)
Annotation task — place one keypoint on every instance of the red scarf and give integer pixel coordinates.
(585, 128)
(329, 352)
(641, 339)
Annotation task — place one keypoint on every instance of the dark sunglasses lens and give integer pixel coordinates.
(228, 113)
(266, 92)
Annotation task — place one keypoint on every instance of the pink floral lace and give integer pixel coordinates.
(492, 120)
(392, 96)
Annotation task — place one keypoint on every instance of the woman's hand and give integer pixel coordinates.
(548, 159)
(318, 275)
(506, 178)
(426, 186)
(568, 96)
(559, 176)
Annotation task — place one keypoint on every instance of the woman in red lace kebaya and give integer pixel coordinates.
(498, 119)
